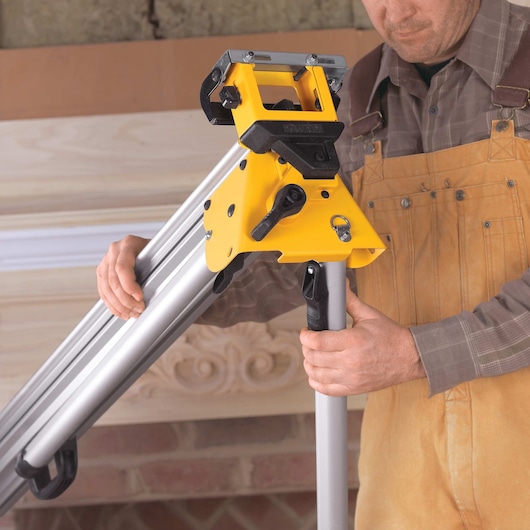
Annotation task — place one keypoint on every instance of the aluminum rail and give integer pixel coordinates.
(104, 355)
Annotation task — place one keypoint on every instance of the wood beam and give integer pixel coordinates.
(145, 76)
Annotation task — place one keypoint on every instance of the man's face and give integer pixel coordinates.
(422, 31)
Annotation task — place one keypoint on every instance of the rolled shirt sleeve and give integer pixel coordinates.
(492, 340)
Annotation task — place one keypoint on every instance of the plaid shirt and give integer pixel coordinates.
(457, 109)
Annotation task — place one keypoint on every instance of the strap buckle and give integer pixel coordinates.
(514, 98)
(367, 124)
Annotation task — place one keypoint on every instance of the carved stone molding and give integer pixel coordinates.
(208, 361)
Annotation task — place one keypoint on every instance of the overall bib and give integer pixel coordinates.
(453, 222)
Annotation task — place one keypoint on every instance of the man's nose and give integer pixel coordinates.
(398, 11)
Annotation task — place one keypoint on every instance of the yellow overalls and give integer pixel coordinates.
(453, 224)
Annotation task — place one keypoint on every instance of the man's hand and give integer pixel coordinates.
(374, 353)
(116, 278)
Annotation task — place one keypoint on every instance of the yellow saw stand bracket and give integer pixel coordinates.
(285, 195)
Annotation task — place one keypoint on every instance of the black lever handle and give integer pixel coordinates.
(315, 291)
(288, 201)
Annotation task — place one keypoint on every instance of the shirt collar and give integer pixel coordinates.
(488, 32)
(485, 33)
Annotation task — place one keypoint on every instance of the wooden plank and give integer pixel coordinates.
(145, 76)
(104, 162)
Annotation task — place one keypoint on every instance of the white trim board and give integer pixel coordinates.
(64, 247)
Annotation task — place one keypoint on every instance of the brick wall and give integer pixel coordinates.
(8, 521)
(225, 468)
(287, 511)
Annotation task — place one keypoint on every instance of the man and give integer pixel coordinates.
(443, 173)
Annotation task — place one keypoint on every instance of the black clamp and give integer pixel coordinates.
(41, 484)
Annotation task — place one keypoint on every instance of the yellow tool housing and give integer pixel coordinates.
(317, 231)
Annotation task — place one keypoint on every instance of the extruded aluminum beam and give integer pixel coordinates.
(104, 355)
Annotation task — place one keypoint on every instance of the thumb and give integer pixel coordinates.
(355, 307)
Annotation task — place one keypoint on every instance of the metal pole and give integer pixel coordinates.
(331, 421)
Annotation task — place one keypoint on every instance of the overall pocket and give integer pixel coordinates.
(448, 250)
(492, 239)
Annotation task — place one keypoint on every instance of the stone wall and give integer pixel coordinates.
(30, 23)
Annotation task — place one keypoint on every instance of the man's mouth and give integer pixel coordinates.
(406, 32)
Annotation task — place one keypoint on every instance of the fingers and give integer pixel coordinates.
(375, 353)
(116, 278)
(325, 363)
(325, 380)
(323, 341)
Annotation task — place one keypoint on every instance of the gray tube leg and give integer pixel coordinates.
(332, 424)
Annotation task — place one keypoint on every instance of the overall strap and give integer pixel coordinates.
(513, 90)
(362, 80)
